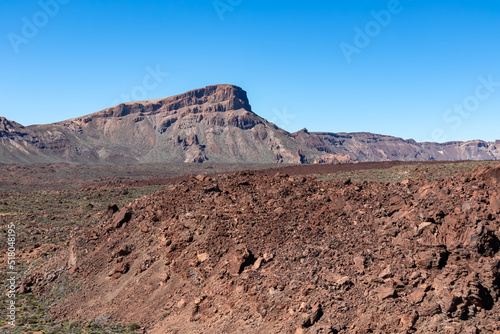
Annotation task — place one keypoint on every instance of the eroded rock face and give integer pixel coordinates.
(8, 127)
(226, 130)
(250, 253)
(491, 174)
(334, 159)
(215, 123)
(374, 147)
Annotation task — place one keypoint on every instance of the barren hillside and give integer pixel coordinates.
(213, 124)
(278, 254)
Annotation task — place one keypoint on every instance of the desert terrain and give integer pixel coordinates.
(250, 167)
(192, 214)
(389, 247)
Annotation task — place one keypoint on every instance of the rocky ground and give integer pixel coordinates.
(250, 252)
(63, 176)
(409, 248)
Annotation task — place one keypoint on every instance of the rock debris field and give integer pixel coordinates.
(246, 253)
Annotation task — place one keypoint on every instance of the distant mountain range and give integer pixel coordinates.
(215, 124)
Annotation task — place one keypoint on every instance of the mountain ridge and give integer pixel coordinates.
(215, 123)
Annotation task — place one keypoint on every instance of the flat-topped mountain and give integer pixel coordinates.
(216, 124)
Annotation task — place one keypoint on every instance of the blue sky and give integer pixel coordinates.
(427, 70)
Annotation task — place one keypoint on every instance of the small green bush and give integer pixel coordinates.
(133, 327)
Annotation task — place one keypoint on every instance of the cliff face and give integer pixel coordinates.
(373, 147)
(8, 127)
(215, 123)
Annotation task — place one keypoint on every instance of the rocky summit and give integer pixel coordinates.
(214, 124)
(246, 253)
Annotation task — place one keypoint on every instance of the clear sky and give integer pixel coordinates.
(427, 70)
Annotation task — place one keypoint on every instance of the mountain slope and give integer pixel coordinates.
(363, 146)
(216, 124)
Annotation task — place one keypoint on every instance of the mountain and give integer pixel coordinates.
(216, 124)
(363, 146)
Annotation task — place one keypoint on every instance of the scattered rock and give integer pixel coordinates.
(119, 269)
(121, 217)
(386, 292)
(202, 257)
(432, 258)
(312, 318)
(315, 243)
(258, 263)
(359, 263)
(181, 303)
(417, 296)
(495, 204)
(239, 258)
(387, 272)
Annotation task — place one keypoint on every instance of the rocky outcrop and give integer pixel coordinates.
(334, 159)
(249, 253)
(9, 128)
(214, 123)
(364, 146)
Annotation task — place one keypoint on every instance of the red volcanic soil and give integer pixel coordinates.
(262, 170)
(250, 252)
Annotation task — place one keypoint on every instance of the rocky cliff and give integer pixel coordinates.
(216, 124)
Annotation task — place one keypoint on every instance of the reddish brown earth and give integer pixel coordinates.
(102, 176)
(264, 170)
(63, 176)
(249, 253)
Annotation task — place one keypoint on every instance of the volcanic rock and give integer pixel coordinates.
(121, 217)
(271, 254)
